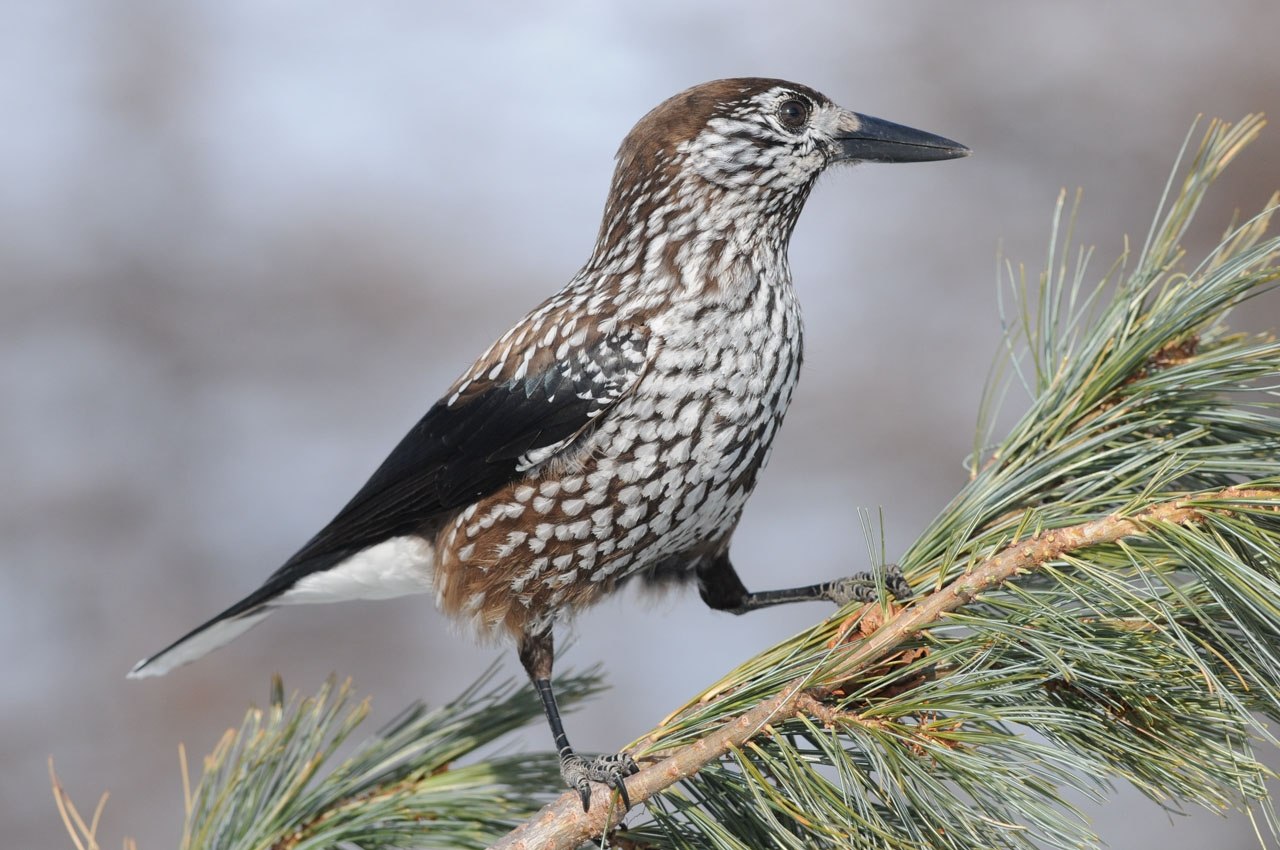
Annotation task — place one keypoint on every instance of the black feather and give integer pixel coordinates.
(459, 453)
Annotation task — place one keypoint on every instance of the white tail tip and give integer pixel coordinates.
(197, 644)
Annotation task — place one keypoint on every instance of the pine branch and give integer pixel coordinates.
(563, 825)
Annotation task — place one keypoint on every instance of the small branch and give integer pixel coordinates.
(1028, 556)
(562, 825)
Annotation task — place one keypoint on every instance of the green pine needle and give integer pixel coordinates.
(268, 786)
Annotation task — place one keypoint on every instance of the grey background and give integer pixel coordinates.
(245, 246)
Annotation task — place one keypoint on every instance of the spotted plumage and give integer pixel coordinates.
(616, 431)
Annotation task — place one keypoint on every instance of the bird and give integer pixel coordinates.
(613, 434)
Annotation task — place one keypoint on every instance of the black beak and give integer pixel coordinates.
(867, 139)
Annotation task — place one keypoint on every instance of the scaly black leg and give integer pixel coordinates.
(722, 590)
(536, 654)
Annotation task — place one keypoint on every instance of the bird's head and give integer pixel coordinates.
(741, 155)
(771, 134)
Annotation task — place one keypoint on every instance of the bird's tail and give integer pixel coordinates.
(394, 567)
(221, 630)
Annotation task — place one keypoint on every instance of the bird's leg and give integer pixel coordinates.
(722, 590)
(537, 651)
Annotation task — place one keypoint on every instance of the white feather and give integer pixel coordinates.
(396, 567)
(198, 644)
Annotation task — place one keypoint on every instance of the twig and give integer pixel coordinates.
(562, 825)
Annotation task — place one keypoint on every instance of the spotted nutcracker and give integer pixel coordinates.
(615, 432)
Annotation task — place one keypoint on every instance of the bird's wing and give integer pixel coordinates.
(516, 408)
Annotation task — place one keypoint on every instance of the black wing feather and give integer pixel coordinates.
(462, 451)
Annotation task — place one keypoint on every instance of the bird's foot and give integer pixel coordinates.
(864, 587)
(580, 772)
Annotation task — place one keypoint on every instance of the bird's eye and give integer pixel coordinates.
(793, 113)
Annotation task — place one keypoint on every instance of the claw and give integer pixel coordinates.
(895, 583)
(619, 784)
(861, 587)
(610, 770)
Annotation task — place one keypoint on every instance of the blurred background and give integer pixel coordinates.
(246, 245)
